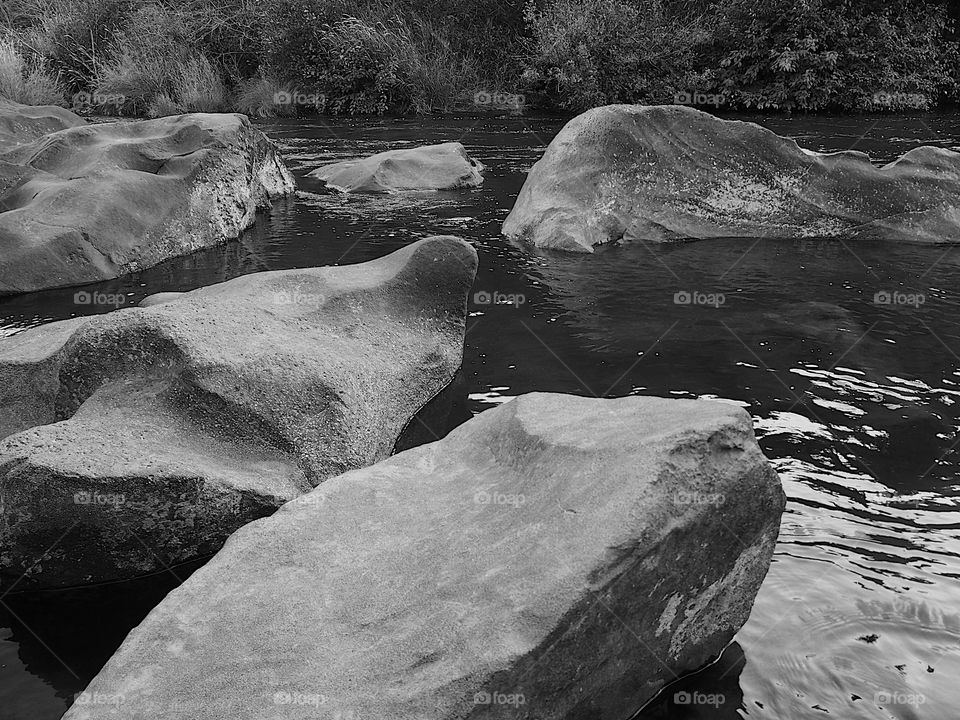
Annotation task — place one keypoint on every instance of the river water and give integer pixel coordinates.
(855, 401)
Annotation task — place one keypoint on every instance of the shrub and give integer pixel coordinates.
(153, 71)
(259, 97)
(27, 79)
(384, 56)
(75, 35)
(854, 55)
(585, 53)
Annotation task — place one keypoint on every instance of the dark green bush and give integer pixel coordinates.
(376, 56)
(854, 55)
(584, 53)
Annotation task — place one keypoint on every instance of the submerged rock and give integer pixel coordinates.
(631, 172)
(432, 167)
(555, 557)
(81, 203)
(144, 437)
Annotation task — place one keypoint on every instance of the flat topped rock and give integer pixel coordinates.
(554, 557)
(431, 167)
(81, 203)
(214, 408)
(659, 173)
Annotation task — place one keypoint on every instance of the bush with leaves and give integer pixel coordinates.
(852, 55)
(584, 53)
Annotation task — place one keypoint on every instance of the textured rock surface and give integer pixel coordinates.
(630, 172)
(555, 557)
(432, 167)
(145, 436)
(81, 203)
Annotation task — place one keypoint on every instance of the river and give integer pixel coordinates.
(845, 354)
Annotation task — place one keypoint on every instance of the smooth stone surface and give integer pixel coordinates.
(81, 203)
(659, 173)
(433, 167)
(145, 436)
(22, 124)
(554, 557)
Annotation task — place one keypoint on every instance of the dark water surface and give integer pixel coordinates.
(854, 400)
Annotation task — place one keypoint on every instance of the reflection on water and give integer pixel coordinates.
(847, 357)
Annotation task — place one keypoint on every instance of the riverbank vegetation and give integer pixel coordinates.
(286, 57)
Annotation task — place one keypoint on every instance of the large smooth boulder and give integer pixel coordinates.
(657, 173)
(431, 167)
(22, 124)
(555, 557)
(144, 437)
(81, 203)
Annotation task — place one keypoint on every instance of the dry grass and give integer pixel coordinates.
(25, 78)
(155, 73)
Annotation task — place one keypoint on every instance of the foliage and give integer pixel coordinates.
(26, 78)
(814, 55)
(376, 56)
(585, 53)
(75, 35)
(153, 71)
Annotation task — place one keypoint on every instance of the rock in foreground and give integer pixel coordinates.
(81, 203)
(433, 167)
(555, 557)
(144, 437)
(630, 172)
